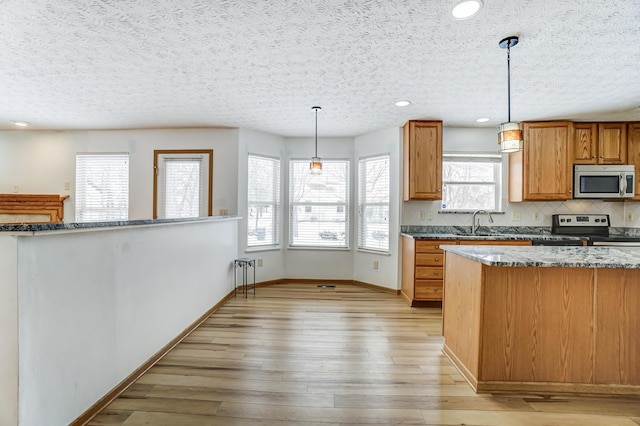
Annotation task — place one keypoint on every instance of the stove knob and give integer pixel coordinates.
(568, 220)
(561, 220)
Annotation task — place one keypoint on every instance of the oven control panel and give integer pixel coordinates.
(580, 220)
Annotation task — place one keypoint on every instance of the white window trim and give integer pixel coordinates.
(277, 206)
(347, 207)
(477, 157)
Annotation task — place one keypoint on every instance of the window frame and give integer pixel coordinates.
(467, 157)
(157, 153)
(344, 205)
(80, 203)
(363, 204)
(275, 203)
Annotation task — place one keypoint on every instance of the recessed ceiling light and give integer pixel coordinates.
(21, 123)
(465, 9)
(403, 103)
(482, 120)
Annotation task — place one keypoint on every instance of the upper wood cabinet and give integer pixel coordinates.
(634, 154)
(600, 143)
(422, 151)
(542, 171)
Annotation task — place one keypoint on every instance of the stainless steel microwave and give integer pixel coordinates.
(611, 181)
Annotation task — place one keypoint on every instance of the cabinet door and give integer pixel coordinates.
(612, 143)
(423, 160)
(634, 154)
(547, 160)
(585, 143)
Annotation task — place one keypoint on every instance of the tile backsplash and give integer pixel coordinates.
(622, 213)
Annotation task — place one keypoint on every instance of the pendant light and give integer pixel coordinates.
(316, 163)
(509, 133)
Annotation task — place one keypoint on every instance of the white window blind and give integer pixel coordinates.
(263, 203)
(471, 181)
(319, 205)
(373, 203)
(102, 187)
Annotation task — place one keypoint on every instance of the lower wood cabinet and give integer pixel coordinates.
(422, 266)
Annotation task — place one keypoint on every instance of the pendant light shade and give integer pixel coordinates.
(316, 163)
(509, 133)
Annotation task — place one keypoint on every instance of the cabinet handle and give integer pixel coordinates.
(437, 246)
(435, 273)
(602, 156)
(593, 156)
(436, 259)
(435, 290)
(439, 190)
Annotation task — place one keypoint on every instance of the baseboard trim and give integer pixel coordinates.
(376, 287)
(102, 403)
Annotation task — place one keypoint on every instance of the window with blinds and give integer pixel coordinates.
(373, 203)
(102, 187)
(263, 201)
(471, 182)
(182, 184)
(319, 205)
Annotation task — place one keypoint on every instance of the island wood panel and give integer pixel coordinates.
(537, 325)
(618, 326)
(461, 312)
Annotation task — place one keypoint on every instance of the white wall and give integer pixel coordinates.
(8, 330)
(485, 140)
(319, 264)
(254, 142)
(382, 142)
(95, 305)
(41, 162)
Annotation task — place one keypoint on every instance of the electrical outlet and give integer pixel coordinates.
(16, 188)
(224, 212)
(629, 217)
(515, 216)
(375, 264)
(423, 215)
(429, 217)
(260, 263)
(67, 186)
(536, 216)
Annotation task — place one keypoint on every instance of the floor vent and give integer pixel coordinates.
(326, 286)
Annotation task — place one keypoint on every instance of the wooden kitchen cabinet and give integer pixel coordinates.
(633, 147)
(600, 143)
(543, 170)
(423, 266)
(422, 153)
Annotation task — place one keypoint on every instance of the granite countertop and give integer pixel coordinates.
(550, 256)
(30, 228)
(489, 236)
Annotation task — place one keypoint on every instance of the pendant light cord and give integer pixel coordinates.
(508, 81)
(316, 131)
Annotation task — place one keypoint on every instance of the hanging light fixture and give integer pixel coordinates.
(316, 163)
(509, 134)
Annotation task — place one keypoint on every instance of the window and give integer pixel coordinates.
(102, 187)
(319, 205)
(263, 204)
(182, 183)
(373, 203)
(471, 182)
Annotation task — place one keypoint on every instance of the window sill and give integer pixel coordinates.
(380, 253)
(263, 248)
(319, 248)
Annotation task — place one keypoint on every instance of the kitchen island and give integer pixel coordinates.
(544, 319)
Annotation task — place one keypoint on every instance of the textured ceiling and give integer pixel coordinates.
(113, 64)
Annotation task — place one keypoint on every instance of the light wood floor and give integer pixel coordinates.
(301, 355)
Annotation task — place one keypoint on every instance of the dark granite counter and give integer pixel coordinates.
(555, 256)
(34, 228)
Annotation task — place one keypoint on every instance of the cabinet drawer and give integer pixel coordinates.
(429, 259)
(429, 272)
(428, 289)
(431, 246)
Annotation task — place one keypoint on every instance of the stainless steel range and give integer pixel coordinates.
(594, 227)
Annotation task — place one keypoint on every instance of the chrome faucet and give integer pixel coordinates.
(475, 224)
